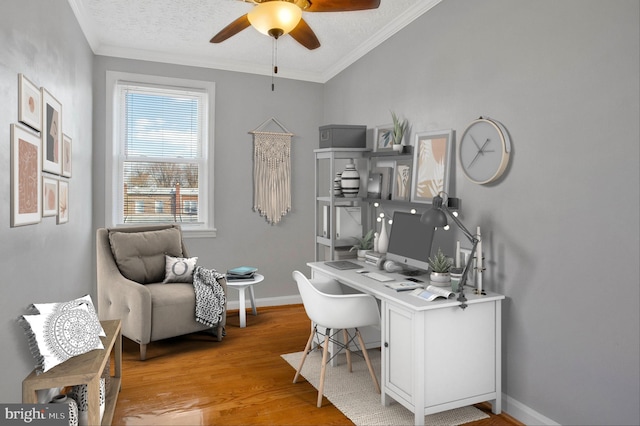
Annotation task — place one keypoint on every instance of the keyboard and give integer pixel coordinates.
(378, 277)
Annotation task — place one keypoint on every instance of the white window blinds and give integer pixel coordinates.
(163, 153)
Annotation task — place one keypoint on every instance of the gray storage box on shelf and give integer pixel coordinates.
(343, 136)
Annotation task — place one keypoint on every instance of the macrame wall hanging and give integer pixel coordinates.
(271, 171)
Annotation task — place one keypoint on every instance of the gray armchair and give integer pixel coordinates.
(130, 271)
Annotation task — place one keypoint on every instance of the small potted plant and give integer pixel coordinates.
(399, 127)
(363, 244)
(440, 267)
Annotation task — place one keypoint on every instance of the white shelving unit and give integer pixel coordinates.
(328, 162)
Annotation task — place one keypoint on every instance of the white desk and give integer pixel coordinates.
(241, 286)
(435, 355)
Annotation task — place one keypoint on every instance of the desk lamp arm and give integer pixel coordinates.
(474, 241)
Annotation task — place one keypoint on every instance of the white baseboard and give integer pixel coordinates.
(524, 414)
(267, 301)
(513, 407)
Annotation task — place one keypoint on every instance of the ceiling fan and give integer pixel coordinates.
(278, 17)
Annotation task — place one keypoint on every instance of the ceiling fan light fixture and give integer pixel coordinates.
(275, 18)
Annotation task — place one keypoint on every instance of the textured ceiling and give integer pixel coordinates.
(178, 31)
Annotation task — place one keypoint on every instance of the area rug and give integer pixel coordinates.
(355, 396)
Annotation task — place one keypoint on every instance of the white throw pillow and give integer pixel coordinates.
(47, 308)
(179, 269)
(59, 335)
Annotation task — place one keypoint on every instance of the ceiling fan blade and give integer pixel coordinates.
(232, 29)
(304, 35)
(342, 5)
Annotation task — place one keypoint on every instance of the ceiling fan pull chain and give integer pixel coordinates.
(274, 61)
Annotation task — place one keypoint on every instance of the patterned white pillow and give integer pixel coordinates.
(46, 308)
(179, 269)
(59, 335)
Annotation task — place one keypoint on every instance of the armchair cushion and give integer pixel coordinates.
(140, 256)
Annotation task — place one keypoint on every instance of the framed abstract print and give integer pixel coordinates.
(26, 177)
(51, 133)
(401, 180)
(66, 156)
(49, 196)
(29, 103)
(431, 164)
(63, 201)
(383, 138)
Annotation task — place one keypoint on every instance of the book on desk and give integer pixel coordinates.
(403, 285)
(432, 293)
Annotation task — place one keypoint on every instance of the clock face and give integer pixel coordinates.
(484, 151)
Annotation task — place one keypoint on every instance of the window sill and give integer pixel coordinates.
(199, 233)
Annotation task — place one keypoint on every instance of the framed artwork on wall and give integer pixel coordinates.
(26, 177)
(51, 133)
(66, 156)
(431, 164)
(383, 138)
(29, 103)
(402, 180)
(63, 201)
(49, 196)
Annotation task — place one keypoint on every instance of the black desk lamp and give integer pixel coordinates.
(436, 217)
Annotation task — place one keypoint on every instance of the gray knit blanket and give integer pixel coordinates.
(210, 297)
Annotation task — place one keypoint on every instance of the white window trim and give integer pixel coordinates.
(112, 141)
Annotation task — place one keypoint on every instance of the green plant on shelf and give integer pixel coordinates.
(399, 127)
(364, 243)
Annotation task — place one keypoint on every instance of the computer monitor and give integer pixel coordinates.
(410, 242)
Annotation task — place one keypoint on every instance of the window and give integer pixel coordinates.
(161, 168)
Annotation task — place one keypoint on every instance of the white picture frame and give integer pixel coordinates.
(432, 154)
(29, 103)
(51, 133)
(63, 201)
(49, 196)
(26, 177)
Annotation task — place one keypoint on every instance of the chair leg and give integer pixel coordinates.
(345, 335)
(366, 358)
(143, 352)
(325, 351)
(219, 333)
(304, 354)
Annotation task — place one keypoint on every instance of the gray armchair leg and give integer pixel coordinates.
(143, 352)
(219, 333)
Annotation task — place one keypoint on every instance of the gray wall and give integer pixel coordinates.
(44, 262)
(561, 229)
(243, 102)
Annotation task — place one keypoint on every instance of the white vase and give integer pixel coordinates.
(350, 181)
(398, 147)
(73, 407)
(383, 239)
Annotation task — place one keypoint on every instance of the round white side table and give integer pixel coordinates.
(241, 285)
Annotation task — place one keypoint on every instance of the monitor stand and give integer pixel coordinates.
(413, 272)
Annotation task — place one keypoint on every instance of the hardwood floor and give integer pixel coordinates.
(196, 380)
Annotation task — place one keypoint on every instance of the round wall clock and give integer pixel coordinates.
(484, 150)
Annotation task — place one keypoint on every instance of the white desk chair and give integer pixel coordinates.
(336, 312)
